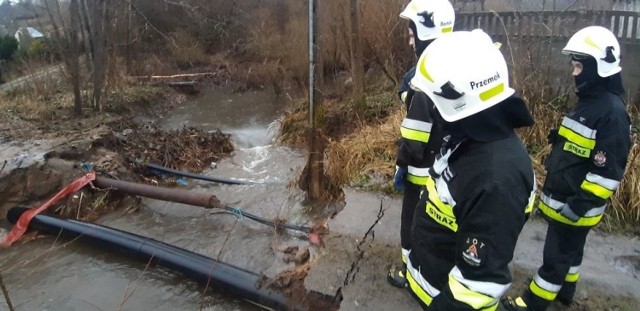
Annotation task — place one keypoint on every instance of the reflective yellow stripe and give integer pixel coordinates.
(542, 293)
(447, 29)
(417, 175)
(582, 222)
(576, 138)
(596, 189)
(416, 289)
(433, 197)
(572, 277)
(520, 302)
(417, 180)
(423, 69)
(579, 128)
(403, 96)
(532, 200)
(414, 134)
(590, 42)
(474, 299)
(492, 92)
(610, 184)
(491, 308)
(440, 212)
(441, 218)
(577, 150)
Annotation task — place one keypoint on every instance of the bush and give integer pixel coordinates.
(8, 47)
(42, 49)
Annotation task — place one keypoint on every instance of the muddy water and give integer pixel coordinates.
(248, 117)
(46, 274)
(15, 155)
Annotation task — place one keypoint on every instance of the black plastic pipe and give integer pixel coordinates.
(201, 177)
(220, 276)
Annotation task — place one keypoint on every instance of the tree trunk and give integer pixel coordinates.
(90, 50)
(357, 65)
(127, 53)
(98, 18)
(66, 43)
(74, 61)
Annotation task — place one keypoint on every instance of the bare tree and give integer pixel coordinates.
(99, 26)
(74, 60)
(357, 62)
(66, 43)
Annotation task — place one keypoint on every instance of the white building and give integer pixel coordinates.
(29, 33)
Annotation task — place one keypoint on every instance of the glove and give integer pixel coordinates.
(552, 137)
(399, 177)
(568, 213)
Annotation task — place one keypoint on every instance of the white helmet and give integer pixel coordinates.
(431, 17)
(599, 43)
(463, 73)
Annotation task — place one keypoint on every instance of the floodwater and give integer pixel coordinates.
(47, 274)
(14, 155)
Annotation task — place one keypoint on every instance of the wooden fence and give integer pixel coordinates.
(552, 25)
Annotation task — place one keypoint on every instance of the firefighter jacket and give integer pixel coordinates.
(588, 158)
(420, 139)
(405, 93)
(477, 198)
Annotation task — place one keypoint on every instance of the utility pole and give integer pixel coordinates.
(312, 60)
(313, 180)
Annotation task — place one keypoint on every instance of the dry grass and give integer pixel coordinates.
(369, 151)
(624, 211)
(187, 51)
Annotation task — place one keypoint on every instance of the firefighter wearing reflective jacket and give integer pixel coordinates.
(420, 138)
(481, 186)
(585, 166)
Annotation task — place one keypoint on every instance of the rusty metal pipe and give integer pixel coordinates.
(187, 197)
(161, 193)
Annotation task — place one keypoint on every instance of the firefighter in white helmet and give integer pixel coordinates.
(586, 164)
(420, 138)
(481, 186)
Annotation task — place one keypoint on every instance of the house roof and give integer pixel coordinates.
(33, 33)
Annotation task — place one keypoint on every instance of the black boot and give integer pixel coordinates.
(514, 304)
(397, 277)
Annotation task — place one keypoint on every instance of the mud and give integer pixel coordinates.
(38, 161)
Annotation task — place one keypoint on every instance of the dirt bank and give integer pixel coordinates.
(44, 150)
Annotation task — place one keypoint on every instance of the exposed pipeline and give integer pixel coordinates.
(200, 177)
(220, 276)
(187, 197)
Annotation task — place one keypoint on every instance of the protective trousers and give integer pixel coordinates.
(409, 202)
(556, 279)
(434, 247)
